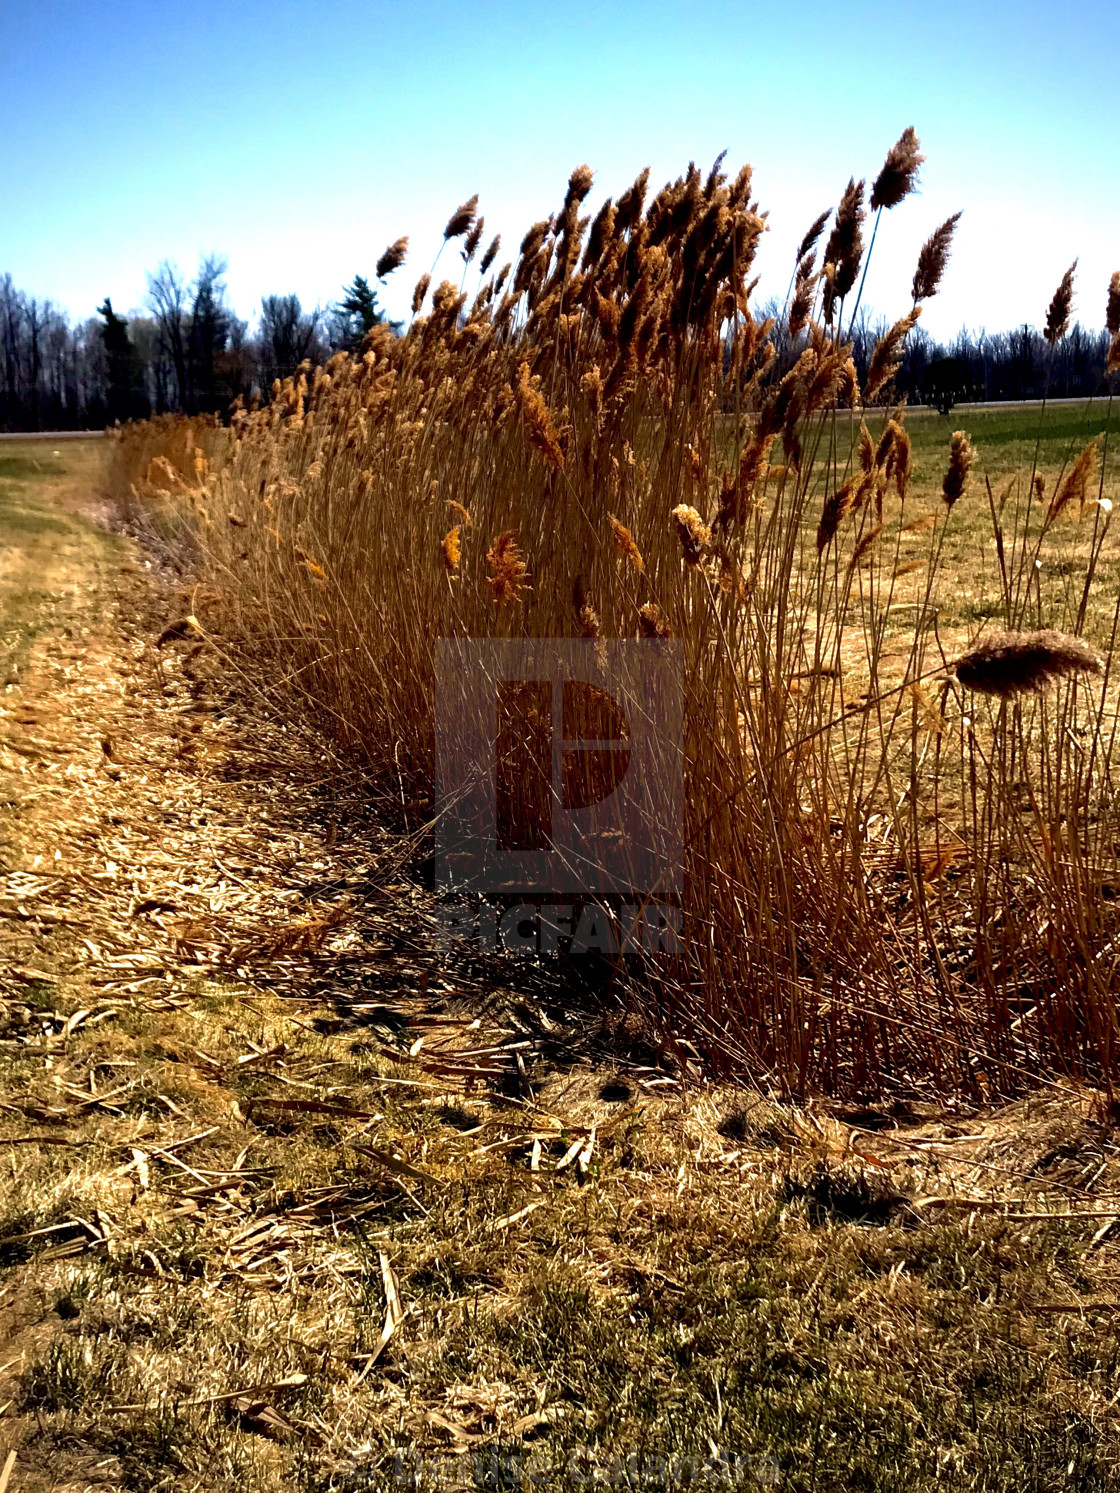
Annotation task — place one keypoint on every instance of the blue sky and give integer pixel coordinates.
(298, 140)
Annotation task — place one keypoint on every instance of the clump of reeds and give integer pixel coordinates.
(608, 439)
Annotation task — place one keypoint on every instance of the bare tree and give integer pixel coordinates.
(167, 299)
(286, 336)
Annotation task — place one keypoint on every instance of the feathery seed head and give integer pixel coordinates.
(837, 508)
(1112, 315)
(420, 292)
(692, 531)
(472, 241)
(508, 571)
(816, 228)
(845, 243)
(449, 544)
(1078, 481)
(847, 384)
(716, 177)
(805, 289)
(961, 456)
(630, 204)
(626, 543)
(587, 617)
(1057, 317)
(933, 258)
(887, 357)
(899, 175)
(740, 189)
(1010, 664)
(652, 622)
(491, 253)
(392, 258)
(538, 419)
(579, 184)
(884, 451)
(462, 218)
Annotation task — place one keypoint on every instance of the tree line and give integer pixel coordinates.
(186, 351)
(978, 367)
(975, 366)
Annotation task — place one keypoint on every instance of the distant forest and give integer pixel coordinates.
(189, 351)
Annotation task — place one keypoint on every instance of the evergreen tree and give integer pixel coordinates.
(356, 314)
(124, 397)
(208, 336)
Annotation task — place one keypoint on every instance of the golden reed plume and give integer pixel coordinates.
(587, 618)
(449, 544)
(886, 360)
(816, 228)
(1112, 322)
(932, 259)
(392, 258)
(1112, 315)
(508, 571)
(844, 249)
(1057, 316)
(462, 218)
(472, 240)
(961, 456)
(1078, 480)
(538, 419)
(626, 543)
(804, 294)
(420, 292)
(692, 531)
(1010, 664)
(837, 508)
(899, 175)
(652, 622)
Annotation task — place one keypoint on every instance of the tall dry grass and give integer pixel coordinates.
(893, 881)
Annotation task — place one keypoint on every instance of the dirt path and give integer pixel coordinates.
(290, 1199)
(181, 976)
